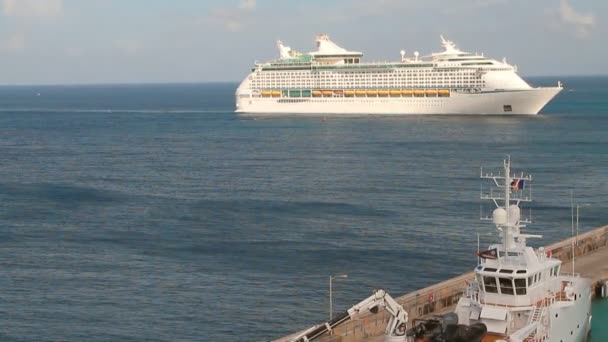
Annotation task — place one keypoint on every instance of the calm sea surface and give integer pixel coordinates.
(153, 212)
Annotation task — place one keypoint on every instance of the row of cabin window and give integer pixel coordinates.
(366, 79)
(369, 85)
(391, 81)
(377, 80)
(370, 76)
(370, 81)
(361, 75)
(453, 72)
(507, 285)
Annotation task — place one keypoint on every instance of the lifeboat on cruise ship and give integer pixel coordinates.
(276, 93)
(395, 92)
(407, 92)
(360, 92)
(383, 93)
(328, 92)
(443, 92)
(419, 93)
(295, 93)
(339, 92)
(317, 93)
(431, 92)
(349, 93)
(266, 93)
(372, 93)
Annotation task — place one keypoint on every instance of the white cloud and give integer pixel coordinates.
(247, 5)
(583, 22)
(36, 8)
(232, 19)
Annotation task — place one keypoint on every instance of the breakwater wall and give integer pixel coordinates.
(444, 296)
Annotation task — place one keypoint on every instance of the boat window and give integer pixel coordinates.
(506, 271)
(521, 271)
(490, 284)
(506, 286)
(489, 269)
(530, 280)
(556, 270)
(520, 286)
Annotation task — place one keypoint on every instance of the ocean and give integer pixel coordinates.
(153, 212)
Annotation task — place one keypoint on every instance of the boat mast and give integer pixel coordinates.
(507, 217)
(507, 232)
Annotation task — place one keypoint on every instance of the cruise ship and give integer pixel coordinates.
(333, 80)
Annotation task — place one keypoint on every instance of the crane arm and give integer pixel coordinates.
(395, 327)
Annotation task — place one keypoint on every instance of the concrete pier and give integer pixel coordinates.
(591, 261)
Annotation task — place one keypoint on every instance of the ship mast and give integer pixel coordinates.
(507, 186)
(510, 192)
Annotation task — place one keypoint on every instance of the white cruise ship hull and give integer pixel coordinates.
(511, 102)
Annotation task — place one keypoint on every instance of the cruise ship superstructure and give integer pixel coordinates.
(522, 294)
(333, 80)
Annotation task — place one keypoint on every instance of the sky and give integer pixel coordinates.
(157, 41)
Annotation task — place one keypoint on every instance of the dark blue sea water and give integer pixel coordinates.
(153, 212)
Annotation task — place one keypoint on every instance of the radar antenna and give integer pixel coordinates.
(507, 192)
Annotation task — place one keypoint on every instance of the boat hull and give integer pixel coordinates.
(572, 323)
(512, 102)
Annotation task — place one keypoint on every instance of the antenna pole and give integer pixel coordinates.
(478, 257)
(572, 236)
(507, 231)
(577, 207)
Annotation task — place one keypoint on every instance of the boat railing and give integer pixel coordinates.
(573, 275)
(472, 292)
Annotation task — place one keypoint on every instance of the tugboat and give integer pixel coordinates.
(519, 293)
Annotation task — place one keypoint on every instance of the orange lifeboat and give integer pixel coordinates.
(395, 93)
(316, 93)
(327, 92)
(407, 92)
(444, 92)
(360, 92)
(349, 93)
(372, 93)
(431, 92)
(276, 93)
(419, 93)
(383, 93)
(266, 93)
